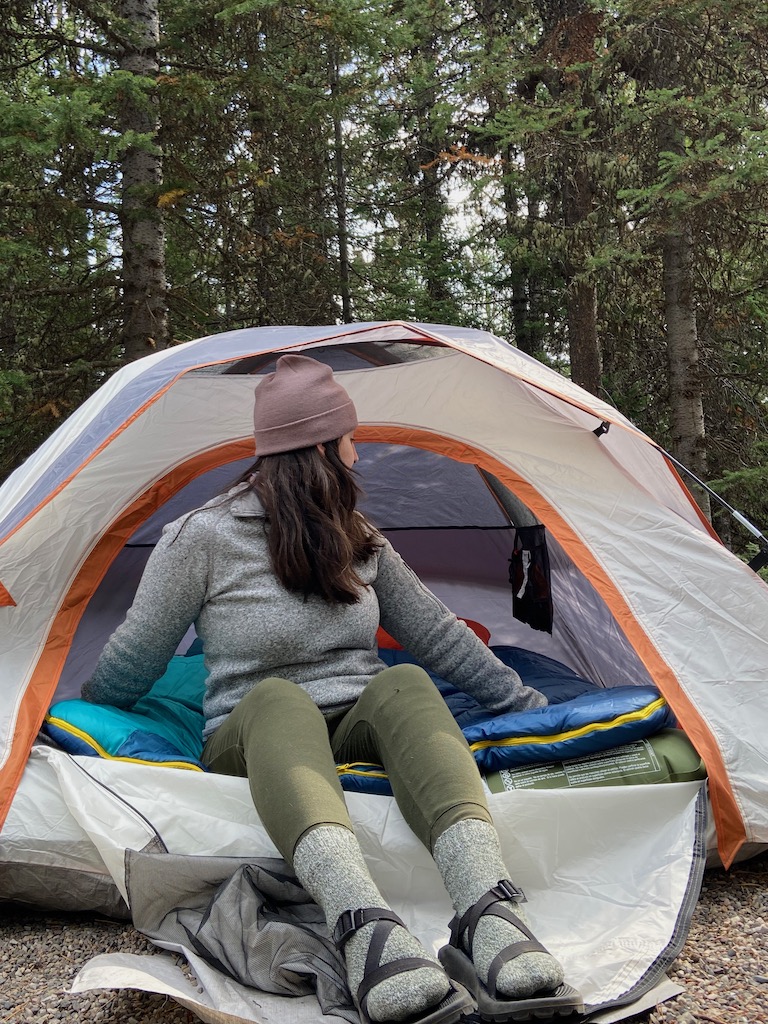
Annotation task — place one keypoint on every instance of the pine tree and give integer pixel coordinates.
(136, 32)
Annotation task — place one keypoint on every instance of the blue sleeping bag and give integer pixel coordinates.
(165, 727)
(581, 719)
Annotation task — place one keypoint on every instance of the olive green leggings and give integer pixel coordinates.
(279, 739)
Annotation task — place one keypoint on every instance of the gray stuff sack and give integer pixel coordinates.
(251, 920)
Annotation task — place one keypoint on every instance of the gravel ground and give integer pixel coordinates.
(723, 967)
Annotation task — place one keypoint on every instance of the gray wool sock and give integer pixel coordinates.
(468, 856)
(329, 864)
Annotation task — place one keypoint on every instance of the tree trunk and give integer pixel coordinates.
(145, 322)
(520, 311)
(519, 273)
(685, 391)
(432, 208)
(493, 18)
(582, 336)
(580, 298)
(340, 195)
(571, 30)
(686, 401)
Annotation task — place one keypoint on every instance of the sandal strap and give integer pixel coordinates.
(374, 971)
(495, 902)
(510, 952)
(351, 920)
(504, 891)
(371, 978)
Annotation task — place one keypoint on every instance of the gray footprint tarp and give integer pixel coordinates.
(612, 875)
(250, 920)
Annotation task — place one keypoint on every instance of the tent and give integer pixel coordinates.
(464, 440)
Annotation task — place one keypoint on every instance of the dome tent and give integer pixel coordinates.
(463, 439)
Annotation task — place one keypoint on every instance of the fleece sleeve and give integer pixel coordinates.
(429, 631)
(167, 602)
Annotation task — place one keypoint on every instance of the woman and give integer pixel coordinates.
(286, 584)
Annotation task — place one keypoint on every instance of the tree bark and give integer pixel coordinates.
(686, 401)
(423, 165)
(340, 196)
(145, 320)
(570, 31)
(582, 336)
(432, 209)
(493, 18)
(527, 334)
(581, 299)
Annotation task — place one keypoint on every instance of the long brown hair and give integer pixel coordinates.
(315, 533)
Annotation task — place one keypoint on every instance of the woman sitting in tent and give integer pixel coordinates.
(286, 584)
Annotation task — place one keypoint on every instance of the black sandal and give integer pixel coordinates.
(456, 1004)
(563, 1001)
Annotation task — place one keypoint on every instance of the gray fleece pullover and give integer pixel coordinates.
(212, 568)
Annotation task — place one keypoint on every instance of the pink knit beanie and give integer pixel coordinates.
(299, 405)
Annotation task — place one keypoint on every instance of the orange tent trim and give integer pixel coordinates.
(731, 833)
(730, 826)
(45, 677)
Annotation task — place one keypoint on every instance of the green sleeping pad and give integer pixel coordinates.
(668, 756)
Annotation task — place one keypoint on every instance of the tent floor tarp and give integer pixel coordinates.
(614, 906)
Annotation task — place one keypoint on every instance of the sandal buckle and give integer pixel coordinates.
(358, 918)
(350, 920)
(348, 923)
(507, 890)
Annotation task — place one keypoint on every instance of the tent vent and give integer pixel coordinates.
(352, 356)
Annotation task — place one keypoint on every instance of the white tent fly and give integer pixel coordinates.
(462, 439)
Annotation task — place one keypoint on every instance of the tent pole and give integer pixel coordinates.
(761, 558)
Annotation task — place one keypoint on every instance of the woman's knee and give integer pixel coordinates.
(273, 699)
(401, 684)
(413, 675)
(274, 688)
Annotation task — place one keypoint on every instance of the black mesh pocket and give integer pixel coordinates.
(530, 578)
